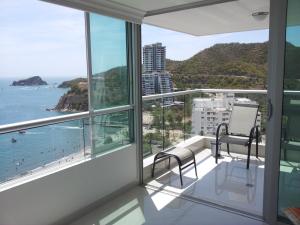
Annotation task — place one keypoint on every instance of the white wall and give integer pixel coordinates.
(51, 198)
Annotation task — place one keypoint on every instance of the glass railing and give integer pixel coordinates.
(171, 118)
(28, 151)
(35, 146)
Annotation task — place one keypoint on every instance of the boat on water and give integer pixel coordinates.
(13, 140)
(22, 131)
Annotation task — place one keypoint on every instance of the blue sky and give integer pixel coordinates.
(39, 38)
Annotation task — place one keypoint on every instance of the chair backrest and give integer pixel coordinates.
(242, 119)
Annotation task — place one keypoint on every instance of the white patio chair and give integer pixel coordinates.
(240, 130)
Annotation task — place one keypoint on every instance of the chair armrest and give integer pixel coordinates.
(218, 129)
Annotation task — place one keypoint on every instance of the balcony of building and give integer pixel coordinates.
(228, 184)
(95, 167)
(226, 191)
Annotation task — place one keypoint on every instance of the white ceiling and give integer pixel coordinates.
(232, 16)
(215, 19)
(148, 5)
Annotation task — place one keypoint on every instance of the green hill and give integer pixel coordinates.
(70, 83)
(231, 65)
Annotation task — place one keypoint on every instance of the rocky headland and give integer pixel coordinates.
(76, 99)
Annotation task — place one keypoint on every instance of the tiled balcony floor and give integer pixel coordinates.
(144, 206)
(228, 184)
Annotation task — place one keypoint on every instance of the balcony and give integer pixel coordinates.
(222, 194)
(228, 184)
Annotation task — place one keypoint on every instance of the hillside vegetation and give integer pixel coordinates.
(220, 66)
(110, 88)
(70, 83)
(231, 65)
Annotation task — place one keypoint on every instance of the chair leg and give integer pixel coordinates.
(257, 148)
(195, 167)
(217, 151)
(153, 166)
(180, 176)
(248, 157)
(228, 149)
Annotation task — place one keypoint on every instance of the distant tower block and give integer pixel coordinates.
(154, 58)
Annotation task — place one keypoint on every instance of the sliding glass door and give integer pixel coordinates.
(289, 170)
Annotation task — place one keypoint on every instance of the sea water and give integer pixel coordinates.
(22, 153)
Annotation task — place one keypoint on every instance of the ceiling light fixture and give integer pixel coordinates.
(260, 15)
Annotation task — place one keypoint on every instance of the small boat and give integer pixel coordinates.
(13, 140)
(22, 131)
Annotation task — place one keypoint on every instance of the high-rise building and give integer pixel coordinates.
(148, 83)
(155, 79)
(156, 83)
(154, 58)
(164, 83)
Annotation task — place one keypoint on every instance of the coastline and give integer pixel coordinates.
(40, 102)
(49, 167)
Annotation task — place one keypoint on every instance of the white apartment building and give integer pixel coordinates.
(154, 58)
(207, 113)
(157, 83)
(148, 84)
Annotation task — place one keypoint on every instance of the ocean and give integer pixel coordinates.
(22, 153)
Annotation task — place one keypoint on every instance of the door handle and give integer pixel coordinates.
(270, 109)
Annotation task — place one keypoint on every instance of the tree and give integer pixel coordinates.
(170, 118)
(179, 118)
(108, 140)
(156, 113)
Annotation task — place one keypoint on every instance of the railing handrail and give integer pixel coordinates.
(7, 128)
(195, 91)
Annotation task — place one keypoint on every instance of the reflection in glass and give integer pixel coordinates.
(111, 131)
(110, 80)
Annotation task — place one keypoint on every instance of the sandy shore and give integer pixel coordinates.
(52, 166)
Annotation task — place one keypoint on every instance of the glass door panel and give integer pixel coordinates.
(110, 79)
(289, 177)
(110, 82)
